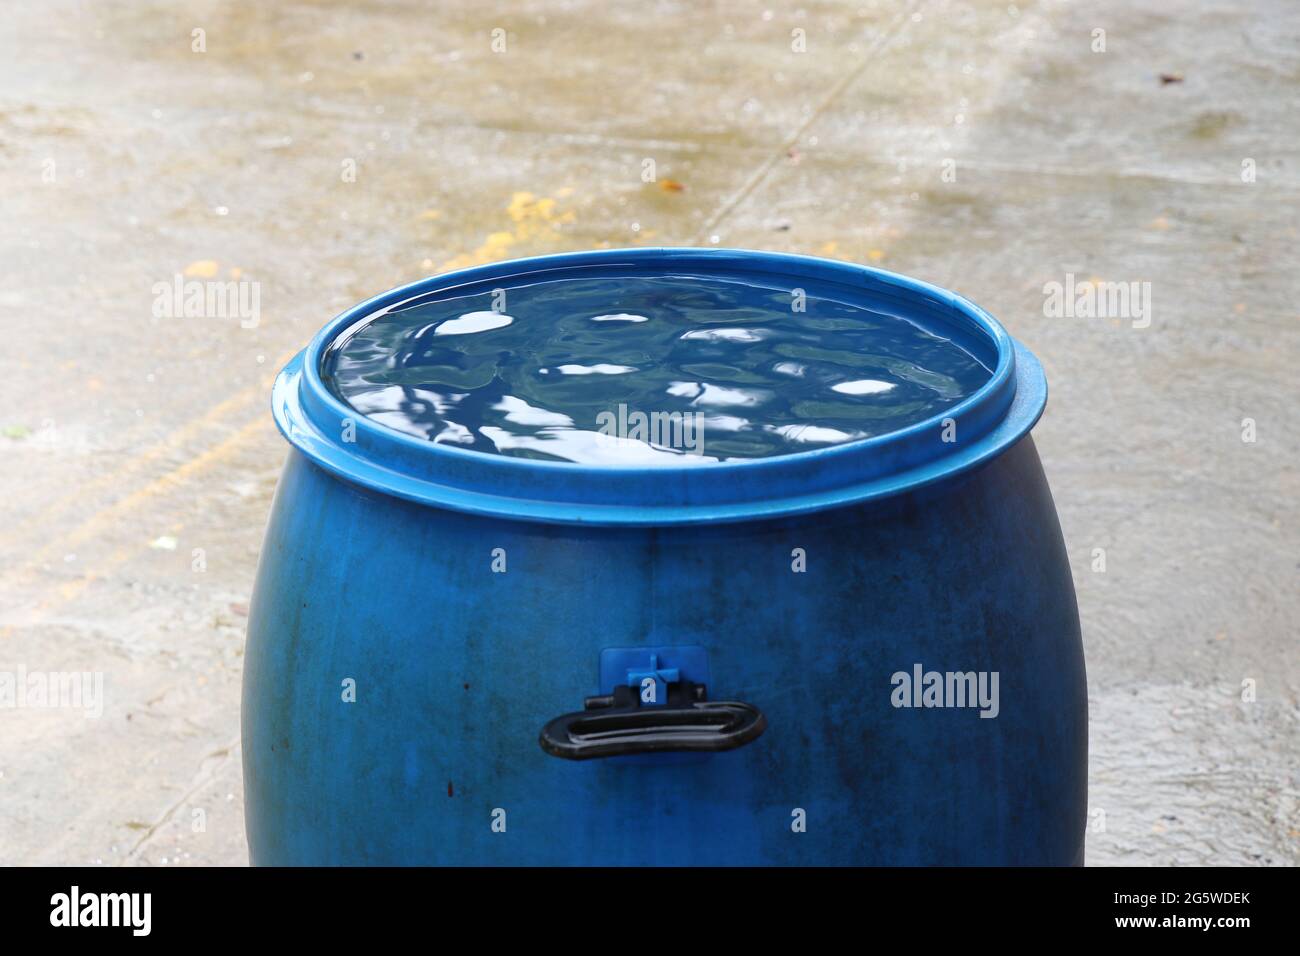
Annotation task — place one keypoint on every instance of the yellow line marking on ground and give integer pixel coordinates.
(108, 516)
(70, 589)
(114, 513)
(170, 442)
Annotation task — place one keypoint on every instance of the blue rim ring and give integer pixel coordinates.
(391, 462)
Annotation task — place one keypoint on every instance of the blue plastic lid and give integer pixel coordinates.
(375, 456)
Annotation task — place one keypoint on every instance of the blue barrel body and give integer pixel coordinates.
(413, 628)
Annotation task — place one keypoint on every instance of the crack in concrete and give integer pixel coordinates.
(205, 776)
(878, 43)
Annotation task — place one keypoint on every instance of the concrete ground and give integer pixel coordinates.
(985, 146)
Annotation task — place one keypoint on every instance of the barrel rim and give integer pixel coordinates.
(373, 455)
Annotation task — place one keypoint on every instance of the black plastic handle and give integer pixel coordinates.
(616, 726)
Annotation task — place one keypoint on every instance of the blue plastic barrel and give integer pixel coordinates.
(863, 654)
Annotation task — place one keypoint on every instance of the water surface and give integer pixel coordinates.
(645, 370)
